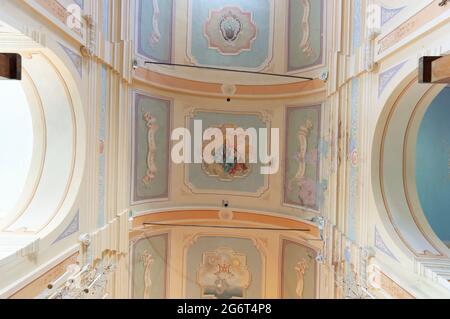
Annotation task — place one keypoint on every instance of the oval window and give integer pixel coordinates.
(433, 165)
(16, 144)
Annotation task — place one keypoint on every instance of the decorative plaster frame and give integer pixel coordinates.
(258, 242)
(270, 45)
(321, 61)
(170, 101)
(137, 8)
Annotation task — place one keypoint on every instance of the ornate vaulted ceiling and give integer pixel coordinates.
(234, 34)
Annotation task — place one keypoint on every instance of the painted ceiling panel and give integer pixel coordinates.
(236, 34)
(154, 29)
(230, 33)
(243, 179)
(151, 135)
(305, 33)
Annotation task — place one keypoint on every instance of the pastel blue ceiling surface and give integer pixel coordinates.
(230, 33)
(433, 165)
(154, 24)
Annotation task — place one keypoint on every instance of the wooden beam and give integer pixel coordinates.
(434, 69)
(10, 66)
(441, 70)
(425, 68)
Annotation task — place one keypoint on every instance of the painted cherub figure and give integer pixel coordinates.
(147, 260)
(300, 269)
(152, 127)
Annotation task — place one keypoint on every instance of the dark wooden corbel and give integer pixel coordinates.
(10, 66)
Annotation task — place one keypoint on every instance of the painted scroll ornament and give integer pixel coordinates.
(152, 127)
(302, 136)
(305, 44)
(155, 35)
(306, 186)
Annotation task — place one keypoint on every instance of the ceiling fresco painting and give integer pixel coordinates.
(151, 136)
(305, 34)
(228, 178)
(224, 268)
(224, 274)
(230, 33)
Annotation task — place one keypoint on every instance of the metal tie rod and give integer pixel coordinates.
(226, 227)
(229, 70)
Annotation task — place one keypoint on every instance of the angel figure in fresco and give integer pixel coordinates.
(155, 35)
(147, 260)
(302, 136)
(152, 127)
(300, 270)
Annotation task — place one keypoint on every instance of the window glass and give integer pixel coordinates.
(16, 144)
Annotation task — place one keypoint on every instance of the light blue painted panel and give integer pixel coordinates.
(154, 29)
(304, 55)
(259, 52)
